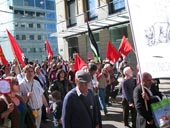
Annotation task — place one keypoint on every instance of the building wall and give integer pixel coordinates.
(104, 34)
(82, 47)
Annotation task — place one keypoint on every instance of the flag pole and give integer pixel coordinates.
(18, 65)
(137, 57)
(134, 51)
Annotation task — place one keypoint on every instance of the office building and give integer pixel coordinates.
(108, 19)
(31, 22)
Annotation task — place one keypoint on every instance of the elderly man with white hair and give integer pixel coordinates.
(128, 85)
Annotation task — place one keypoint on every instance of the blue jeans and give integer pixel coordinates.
(102, 93)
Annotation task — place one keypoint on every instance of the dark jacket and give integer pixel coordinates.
(75, 114)
(61, 86)
(142, 114)
(15, 116)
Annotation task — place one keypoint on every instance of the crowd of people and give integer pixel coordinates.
(78, 97)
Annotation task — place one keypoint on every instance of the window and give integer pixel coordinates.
(23, 25)
(50, 27)
(24, 50)
(19, 12)
(51, 16)
(29, 2)
(16, 24)
(39, 37)
(23, 37)
(29, 13)
(38, 25)
(18, 2)
(40, 14)
(30, 25)
(17, 37)
(71, 13)
(31, 37)
(32, 50)
(116, 5)
(116, 35)
(40, 3)
(50, 4)
(91, 9)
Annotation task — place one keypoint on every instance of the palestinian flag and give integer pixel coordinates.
(93, 44)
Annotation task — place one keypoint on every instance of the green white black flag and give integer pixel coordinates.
(93, 44)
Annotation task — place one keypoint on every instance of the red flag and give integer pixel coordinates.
(2, 57)
(112, 54)
(16, 49)
(78, 62)
(125, 46)
(49, 50)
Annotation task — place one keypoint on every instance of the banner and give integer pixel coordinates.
(151, 34)
(161, 113)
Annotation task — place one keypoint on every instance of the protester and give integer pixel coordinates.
(61, 83)
(150, 95)
(14, 108)
(128, 86)
(71, 75)
(33, 93)
(92, 69)
(39, 76)
(56, 109)
(102, 89)
(16, 67)
(7, 71)
(79, 106)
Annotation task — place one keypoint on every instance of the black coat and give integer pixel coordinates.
(142, 114)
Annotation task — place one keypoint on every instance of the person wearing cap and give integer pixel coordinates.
(128, 85)
(79, 106)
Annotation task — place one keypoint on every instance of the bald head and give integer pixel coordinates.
(147, 79)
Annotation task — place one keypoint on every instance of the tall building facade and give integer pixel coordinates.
(31, 22)
(108, 19)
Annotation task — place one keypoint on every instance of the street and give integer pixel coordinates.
(113, 119)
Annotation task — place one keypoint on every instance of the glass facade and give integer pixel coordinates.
(116, 35)
(116, 5)
(91, 9)
(35, 21)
